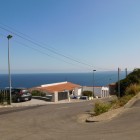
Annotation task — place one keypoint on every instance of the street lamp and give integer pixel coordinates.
(9, 37)
(93, 83)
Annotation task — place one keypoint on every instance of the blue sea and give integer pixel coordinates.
(83, 79)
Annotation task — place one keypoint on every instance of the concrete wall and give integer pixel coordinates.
(55, 97)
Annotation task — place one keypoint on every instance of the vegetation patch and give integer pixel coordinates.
(132, 90)
(101, 107)
(87, 93)
(120, 102)
(129, 87)
(131, 80)
(38, 93)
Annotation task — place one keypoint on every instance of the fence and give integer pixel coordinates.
(4, 97)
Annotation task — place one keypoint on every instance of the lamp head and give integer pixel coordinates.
(9, 36)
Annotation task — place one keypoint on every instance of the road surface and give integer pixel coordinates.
(59, 122)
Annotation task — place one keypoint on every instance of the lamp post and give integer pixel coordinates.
(93, 83)
(9, 37)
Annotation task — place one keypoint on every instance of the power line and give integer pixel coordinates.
(29, 39)
(37, 44)
(24, 45)
(37, 50)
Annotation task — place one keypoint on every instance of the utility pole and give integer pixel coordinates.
(126, 72)
(93, 84)
(119, 83)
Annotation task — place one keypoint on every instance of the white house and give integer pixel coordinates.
(59, 91)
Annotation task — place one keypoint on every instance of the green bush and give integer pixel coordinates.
(38, 93)
(87, 93)
(101, 107)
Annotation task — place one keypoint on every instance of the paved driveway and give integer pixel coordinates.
(35, 102)
(32, 102)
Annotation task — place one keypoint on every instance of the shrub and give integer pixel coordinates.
(101, 107)
(132, 90)
(37, 93)
(87, 93)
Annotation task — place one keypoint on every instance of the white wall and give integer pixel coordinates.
(77, 91)
(98, 91)
(105, 92)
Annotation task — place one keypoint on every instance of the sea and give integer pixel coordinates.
(37, 79)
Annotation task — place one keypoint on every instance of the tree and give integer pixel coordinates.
(87, 93)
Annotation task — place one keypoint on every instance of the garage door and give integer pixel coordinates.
(62, 96)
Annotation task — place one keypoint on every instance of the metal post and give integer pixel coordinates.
(93, 83)
(126, 72)
(119, 83)
(8, 37)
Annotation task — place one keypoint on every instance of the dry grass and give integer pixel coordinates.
(132, 89)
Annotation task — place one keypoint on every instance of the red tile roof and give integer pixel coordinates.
(59, 87)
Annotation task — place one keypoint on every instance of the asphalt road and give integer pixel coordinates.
(59, 122)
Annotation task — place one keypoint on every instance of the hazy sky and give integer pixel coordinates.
(69, 35)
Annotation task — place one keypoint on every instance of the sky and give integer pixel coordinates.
(69, 35)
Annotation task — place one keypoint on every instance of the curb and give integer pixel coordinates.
(132, 101)
(105, 116)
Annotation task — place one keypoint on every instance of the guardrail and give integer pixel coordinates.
(4, 97)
